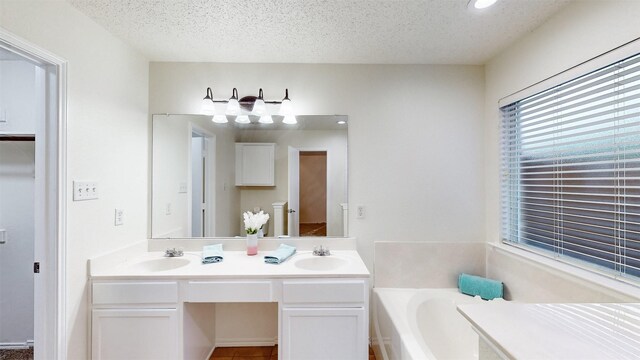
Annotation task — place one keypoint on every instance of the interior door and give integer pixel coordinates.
(294, 192)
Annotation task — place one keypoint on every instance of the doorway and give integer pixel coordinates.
(313, 193)
(32, 163)
(202, 182)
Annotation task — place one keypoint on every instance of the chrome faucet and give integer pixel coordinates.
(322, 251)
(173, 253)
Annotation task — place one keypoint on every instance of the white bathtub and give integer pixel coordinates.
(412, 324)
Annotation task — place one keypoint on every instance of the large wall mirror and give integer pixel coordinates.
(206, 174)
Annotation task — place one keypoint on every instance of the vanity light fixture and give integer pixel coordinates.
(480, 4)
(241, 108)
(233, 106)
(207, 103)
(259, 107)
(286, 109)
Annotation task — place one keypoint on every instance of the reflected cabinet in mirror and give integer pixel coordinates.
(206, 174)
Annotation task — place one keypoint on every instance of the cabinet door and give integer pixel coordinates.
(118, 334)
(255, 164)
(324, 333)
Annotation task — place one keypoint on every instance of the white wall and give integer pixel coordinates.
(415, 156)
(579, 32)
(107, 138)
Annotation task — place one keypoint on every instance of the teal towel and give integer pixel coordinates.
(280, 254)
(475, 285)
(212, 254)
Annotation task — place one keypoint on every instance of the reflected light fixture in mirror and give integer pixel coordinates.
(266, 119)
(480, 4)
(243, 119)
(220, 119)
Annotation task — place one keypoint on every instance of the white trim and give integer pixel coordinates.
(16, 346)
(54, 222)
(614, 55)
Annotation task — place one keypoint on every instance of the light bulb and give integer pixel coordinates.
(266, 119)
(220, 119)
(290, 119)
(243, 119)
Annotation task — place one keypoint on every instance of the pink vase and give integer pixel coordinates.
(252, 244)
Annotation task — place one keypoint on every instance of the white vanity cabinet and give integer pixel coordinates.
(137, 313)
(135, 320)
(324, 319)
(255, 164)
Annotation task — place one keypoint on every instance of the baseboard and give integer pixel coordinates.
(16, 346)
(227, 342)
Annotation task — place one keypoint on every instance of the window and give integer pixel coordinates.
(570, 182)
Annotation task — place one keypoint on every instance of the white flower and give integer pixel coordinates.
(253, 222)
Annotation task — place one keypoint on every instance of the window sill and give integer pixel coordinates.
(591, 279)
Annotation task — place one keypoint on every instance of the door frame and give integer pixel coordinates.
(50, 189)
(210, 178)
(329, 186)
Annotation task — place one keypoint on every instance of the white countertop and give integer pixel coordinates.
(236, 265)
(558, 331)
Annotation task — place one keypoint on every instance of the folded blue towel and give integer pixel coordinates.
(212, 254)
(280, 254)
(475, 285)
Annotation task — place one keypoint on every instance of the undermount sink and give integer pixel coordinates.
(162, 264)
(320, 263)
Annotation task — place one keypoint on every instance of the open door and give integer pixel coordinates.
(294, 191)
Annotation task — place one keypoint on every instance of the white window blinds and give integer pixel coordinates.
(571, 169)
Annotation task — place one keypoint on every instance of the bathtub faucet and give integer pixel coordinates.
(322, 251)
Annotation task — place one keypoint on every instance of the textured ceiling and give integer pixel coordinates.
(315, 31)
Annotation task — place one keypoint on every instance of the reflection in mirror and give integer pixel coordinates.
(206, 174)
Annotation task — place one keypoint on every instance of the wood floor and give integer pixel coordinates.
(253, 353)
(313, 229)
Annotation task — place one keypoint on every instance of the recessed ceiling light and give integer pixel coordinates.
(480, 4)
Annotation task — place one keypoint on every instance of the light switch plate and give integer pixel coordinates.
(119, 217)
(85, 190)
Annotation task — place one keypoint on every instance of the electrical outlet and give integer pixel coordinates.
(360, 212)
(85, 190)
(119, 217)
(168, 209)
(182, 189)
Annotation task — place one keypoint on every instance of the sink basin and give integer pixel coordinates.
(320, 263)
(162, 264)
